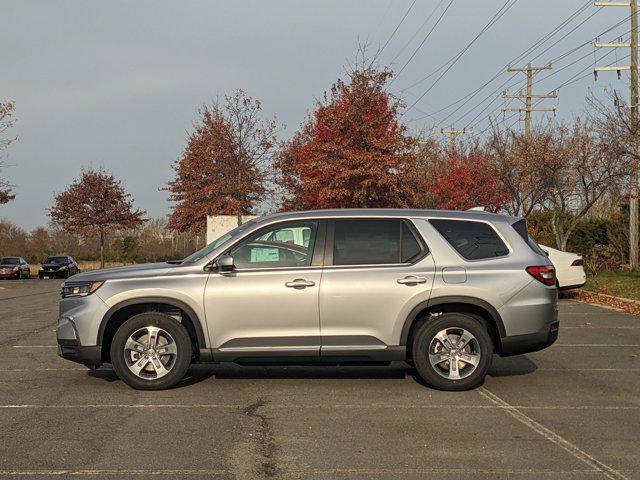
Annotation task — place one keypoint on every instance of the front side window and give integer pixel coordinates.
(373, 242)
(284, 245)
(472, 240)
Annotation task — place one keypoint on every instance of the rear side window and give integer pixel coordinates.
(374, 242)
(521, 227)
(472, 240)
(411, 249)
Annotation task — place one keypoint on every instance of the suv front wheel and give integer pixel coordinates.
(151, 351)
(452, 351)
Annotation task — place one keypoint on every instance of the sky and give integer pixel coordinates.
(116, 84)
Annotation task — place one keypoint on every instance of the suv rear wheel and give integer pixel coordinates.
(452, 351)
(151, 351)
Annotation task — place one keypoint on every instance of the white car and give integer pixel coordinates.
(569, 270)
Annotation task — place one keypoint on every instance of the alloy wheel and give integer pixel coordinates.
(150, 353)
(454, 353)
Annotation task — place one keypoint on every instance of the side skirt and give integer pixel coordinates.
(333, 356)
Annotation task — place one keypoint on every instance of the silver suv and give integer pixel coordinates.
(440, 290)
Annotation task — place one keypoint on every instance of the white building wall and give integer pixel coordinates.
(218, 225)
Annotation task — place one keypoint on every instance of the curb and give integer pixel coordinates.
(612, 297)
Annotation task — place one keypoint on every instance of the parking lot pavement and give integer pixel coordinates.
(571, 411)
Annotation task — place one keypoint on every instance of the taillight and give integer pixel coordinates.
(543, 273)
(577, 262)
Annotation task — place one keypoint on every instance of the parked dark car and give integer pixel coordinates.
(14, 267)
(62, 266)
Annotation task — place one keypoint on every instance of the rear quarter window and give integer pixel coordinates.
(472, 240)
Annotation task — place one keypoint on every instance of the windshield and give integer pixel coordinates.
(10, 261)
(56, 260)
(200, 254)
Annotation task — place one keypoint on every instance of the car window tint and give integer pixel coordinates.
(284, 245)
(410, 246)
(366, 242)
(472, 240)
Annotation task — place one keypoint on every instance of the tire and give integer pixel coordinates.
(41, 277)
(170, 335)
(433, 360)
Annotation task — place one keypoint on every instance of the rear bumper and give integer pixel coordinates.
(72, 350)
(571, 287)
(531, 342)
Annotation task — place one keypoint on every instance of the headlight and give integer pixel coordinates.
(64, 267)
(15, 269)
(79, 289)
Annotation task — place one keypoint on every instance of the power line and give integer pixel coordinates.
(540, 42)
(505, 7)
(517, 59)
(422, 42)
(417, 31)
(395, 30)
(562, 56)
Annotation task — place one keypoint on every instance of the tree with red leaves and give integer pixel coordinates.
(465, 181)
(223, 170)
(96, 204)
(352, 151)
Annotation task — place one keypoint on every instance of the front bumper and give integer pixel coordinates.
(52, 273)
(90, 356)
(77, 329)
(531, 342)
(9, 274)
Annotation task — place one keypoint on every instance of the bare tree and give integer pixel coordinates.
(578, 172)
(514, 159)
(6, 122)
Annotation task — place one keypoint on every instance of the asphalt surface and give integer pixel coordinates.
(571, 412)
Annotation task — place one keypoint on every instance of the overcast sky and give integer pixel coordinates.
(115, 84)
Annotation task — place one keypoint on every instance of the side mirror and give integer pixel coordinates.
(225, 264)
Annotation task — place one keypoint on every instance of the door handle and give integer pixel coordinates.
(411, 280)
(300, 283)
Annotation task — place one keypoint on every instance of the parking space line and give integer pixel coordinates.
(564, 327)
(28, 295)
(34, 346)
(347, 406)
(310, 471)
(634, 345)
(553, 437)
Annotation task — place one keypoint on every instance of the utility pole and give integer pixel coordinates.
(634, 233)
(528, 104)
(453, 133)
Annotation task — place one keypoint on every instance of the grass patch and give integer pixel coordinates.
(618, 283)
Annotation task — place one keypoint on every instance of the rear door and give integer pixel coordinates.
(376, 270)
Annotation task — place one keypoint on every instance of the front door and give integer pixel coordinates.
(269, 304)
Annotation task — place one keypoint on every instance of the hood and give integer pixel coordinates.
(130, 271)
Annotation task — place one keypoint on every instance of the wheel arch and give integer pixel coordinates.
(475, 307)
(120, 312)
